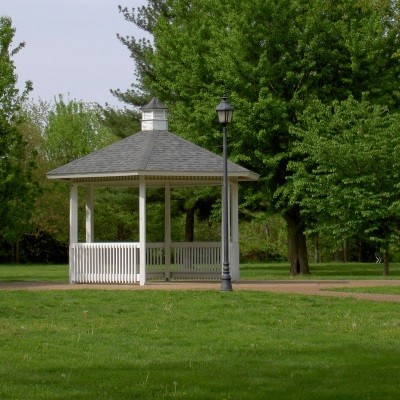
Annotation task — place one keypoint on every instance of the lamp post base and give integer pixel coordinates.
(226, 283)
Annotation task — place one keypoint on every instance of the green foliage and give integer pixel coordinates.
(263, 239)
(73, 130)
(17, 186)
(274, 58)
(41, 247)
(348, 179)
(122, 123)
(116, 214)
(61, 132)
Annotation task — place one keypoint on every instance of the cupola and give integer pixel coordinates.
(154, 116)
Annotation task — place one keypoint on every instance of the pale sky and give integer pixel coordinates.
(72, 48)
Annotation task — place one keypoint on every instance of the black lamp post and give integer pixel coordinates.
(225, 113)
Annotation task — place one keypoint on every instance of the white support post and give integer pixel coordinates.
(73, 229)
(89, 214)
(142, 231)
(235, 272)
(167, 231)
(73, 214)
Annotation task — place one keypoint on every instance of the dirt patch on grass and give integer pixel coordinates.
(314, 288)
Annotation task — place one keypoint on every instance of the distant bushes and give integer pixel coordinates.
(41, 248)
(263, 239)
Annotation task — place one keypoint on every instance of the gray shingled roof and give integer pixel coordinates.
(161, 152)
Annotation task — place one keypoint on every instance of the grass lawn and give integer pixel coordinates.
(319, 271)
(196, 345)
(59, 273)
(373, 289)
(33, 273)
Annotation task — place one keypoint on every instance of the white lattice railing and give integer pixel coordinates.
(196, 260)
(119, 262)
(155, 261)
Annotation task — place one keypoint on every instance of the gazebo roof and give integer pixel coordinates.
(155, 153)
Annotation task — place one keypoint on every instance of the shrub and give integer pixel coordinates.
(42, 247)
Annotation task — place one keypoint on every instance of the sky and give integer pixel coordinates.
(71, 47)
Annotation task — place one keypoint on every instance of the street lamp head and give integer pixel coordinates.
(224, 111)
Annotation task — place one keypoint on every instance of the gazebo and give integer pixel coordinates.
(151, 158)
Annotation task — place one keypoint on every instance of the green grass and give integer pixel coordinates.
(33, 273)
(374, 290)
(196, 345)
(319, 271)
(59, 273)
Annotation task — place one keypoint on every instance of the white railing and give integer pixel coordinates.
(196, 260)
(119, 262)
(155, 261)
(104, 262)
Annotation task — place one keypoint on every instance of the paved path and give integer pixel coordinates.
(315, 288)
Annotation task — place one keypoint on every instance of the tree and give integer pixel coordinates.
(348, 180)
(60, 132)
(74, 129)
(17, 188)
(122, 123)
(273, 57)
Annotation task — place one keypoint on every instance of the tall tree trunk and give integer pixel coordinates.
(297, 245)
(189, 225)
(385, 263)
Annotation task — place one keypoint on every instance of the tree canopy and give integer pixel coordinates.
(274, 59)
(73, 130)
(348, 180)
(17, 188)
(69, 129)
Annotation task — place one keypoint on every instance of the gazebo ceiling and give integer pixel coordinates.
(157, 155)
